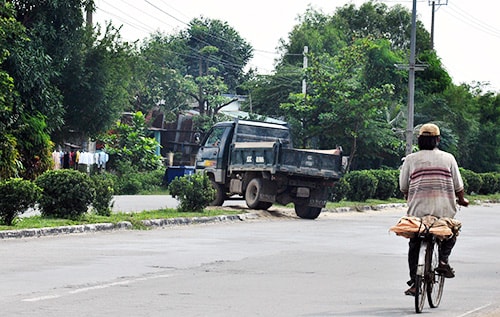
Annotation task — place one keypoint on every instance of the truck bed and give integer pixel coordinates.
(274, 158)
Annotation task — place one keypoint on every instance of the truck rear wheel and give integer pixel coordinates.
(252, 193)
(220, 194)
(307, 212)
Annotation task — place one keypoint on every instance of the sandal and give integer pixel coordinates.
(445, 270)
(411, 291)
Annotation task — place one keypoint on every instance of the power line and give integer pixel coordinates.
(125, 21)
(468, 19)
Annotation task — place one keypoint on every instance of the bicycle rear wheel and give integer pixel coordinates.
(420, 282)
(435, 281)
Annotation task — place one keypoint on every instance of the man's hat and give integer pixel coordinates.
(429, 129)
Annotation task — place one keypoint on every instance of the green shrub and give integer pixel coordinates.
(129, 181)
(387, 184)
(339, 190)
(152, 180)
(195, 192)
(16, 196)
(490, 183)
(497, 183)
(397, 193)
(104, 190)
(66, 193)
(362, 185)
(129, 185)
(472, 181)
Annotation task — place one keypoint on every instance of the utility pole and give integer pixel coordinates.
(304, 84)
(411, 80)
(89, 7)
(433, 4)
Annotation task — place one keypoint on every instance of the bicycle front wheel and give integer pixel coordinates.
(420, 293)
(435, 281)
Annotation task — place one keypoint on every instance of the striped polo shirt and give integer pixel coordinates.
(431, 178)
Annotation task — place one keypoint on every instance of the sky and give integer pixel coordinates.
(466, 33)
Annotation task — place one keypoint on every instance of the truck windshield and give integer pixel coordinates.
(215, 136)
(252, 133)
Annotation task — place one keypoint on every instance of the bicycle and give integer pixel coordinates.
(428, 282)
(430, 232)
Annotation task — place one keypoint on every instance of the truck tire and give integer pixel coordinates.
(252, 193)
(264, 205)
(220, 194)
(307, 212)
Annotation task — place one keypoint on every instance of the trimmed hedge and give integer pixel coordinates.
(16, 196)
(104, 190)
(472, 181)
(361, 185)
(339, 190)
(387, 184)
(66, 193)
(195, 192)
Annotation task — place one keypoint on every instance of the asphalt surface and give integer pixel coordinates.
(138, 203)
(342, 264)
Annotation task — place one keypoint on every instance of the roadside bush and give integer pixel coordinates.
(397, 193)
(362, 185)
(152, 180)
(497, 183)
(129, 181)
(16, 196)
(339, 190)
(472, 181)
(195, 192)
(104, 190)
(387, 184)
(66, 193)
(490, 183)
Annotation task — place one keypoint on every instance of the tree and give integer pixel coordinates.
(198, 64)
(267, 92)
(160, 79)
(339, 101)
(487, 149)
(129, 142)
(11, 34)
(95, 84)
(216, 58)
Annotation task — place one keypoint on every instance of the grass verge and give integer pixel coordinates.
(136, 217)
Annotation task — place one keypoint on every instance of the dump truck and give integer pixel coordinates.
(256, 160)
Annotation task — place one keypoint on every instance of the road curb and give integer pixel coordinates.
(124, 225)
(364, 208)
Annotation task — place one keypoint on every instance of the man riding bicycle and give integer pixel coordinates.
(432, 185)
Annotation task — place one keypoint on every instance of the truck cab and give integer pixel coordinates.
(214, 153)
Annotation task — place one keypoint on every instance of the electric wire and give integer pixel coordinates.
(470, 20)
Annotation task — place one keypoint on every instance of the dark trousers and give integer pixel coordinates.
(445, 248)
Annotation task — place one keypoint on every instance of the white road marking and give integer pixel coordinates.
(92, 288)
(474, 310)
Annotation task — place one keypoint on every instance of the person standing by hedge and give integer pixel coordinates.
(432, 185)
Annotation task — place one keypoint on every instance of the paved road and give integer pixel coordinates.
(129, 203)
(345, 264)
(136, 203)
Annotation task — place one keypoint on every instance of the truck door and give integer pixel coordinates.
(212, 155)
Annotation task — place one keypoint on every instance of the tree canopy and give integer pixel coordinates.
(62, 79)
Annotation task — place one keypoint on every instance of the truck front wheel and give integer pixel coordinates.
(220, 194)
(307, 212)
(252, 193)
